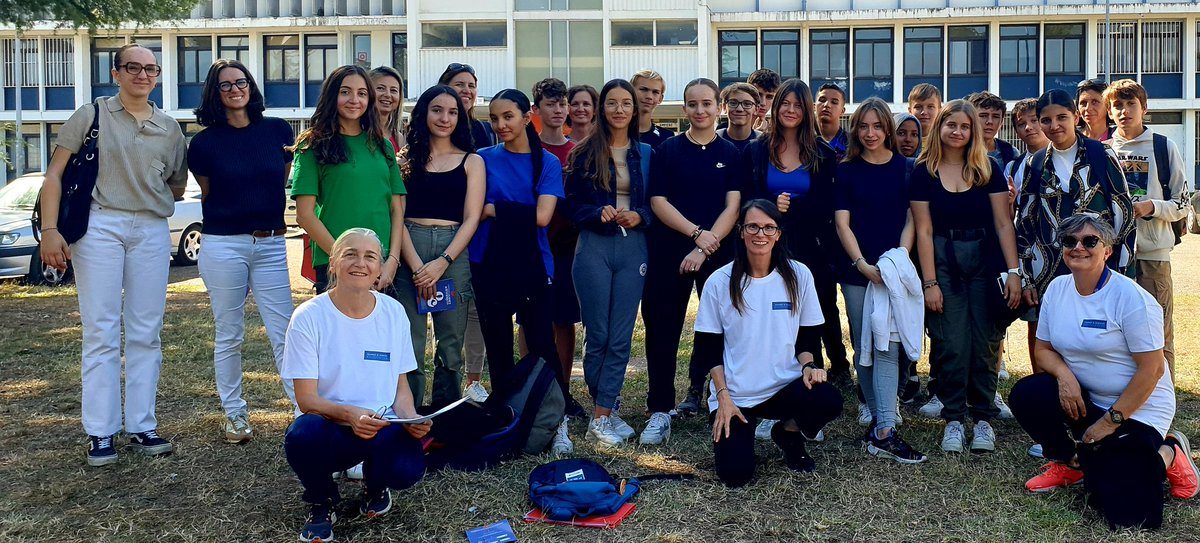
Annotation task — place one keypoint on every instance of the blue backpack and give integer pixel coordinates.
(575, 487)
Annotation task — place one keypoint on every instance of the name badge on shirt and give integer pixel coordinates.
(1098, 324)
(377, 356)
(781, 306)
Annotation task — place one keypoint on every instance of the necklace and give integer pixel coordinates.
(704, 145)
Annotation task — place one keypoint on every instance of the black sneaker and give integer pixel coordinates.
(795, 455)
(101, 451)
(574, 410)
(690, 405)
(911, 392)
(376, 504)
(319, 526)
(895, 448)
(149, 444)
(841, 379)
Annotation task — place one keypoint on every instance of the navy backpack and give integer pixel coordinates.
(576, 487)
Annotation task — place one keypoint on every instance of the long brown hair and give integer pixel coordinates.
(977, 167)
(323, 135)
(739, 280)
(854, 146)
(806, 133)
(594, 152)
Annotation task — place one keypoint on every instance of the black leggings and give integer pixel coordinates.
(534, 312)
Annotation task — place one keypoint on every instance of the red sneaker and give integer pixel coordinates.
(1056, 476)
(1182, 473)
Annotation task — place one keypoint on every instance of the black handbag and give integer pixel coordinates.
(78, 181)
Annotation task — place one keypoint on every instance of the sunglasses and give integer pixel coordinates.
(456, 67)
(1070, 242)
(1093, 82)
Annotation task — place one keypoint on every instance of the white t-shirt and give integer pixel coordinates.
(1064, 165)
(355, 361)
(760, 343)
(1096, 336)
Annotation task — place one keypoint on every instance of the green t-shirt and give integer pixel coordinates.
(355, 193)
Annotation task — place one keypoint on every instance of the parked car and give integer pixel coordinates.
(19, 256)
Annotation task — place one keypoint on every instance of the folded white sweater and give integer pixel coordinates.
(894, 310)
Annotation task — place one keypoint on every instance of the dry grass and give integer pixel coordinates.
(212, 491)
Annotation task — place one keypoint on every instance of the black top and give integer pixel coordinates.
(247, 173)
(438, 195)
(740, 144)
(655, 136)
(482, 133)
(694, 179)
(968, 210)
(876, 195)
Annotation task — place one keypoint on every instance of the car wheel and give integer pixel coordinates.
(189, 246)
(41, 274)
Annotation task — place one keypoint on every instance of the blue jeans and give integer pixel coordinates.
(609, 273)
(317, 447)
(878, 381)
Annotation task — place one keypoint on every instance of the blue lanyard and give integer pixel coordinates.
(1103, 277)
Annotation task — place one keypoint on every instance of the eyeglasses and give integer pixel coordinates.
(227, 86)
(753, 229)
(617, 106)
(747, 105)
(133, 68)
(1070, 242)
(457, 67)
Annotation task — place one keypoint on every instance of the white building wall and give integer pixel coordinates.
(471, 9)
(491, 67)
(677, 65)
(688, 6)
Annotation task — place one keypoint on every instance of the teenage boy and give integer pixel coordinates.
(650, 88)
(1029, 131)
(990, 110)
(1154, 170)
(829, 105)
(924, 102)
(740, 103)
(767, 82)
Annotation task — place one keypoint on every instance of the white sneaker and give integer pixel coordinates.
(983, 438)
(899, 419)
(562, 442)
(621, 427)
(1035, 451)
(932, 409)
(601, 429)
(354, 473)
(1003, 373)
(1005, 412)
(864, 415)
(952, 439)
(476, 393)
(658, 430)
(763, 431)
(820, 437)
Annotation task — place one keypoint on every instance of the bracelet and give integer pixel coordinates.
(929, 284)
(1015, 270)
(44, 230)
(855, 263)
(696, 233)
(447, 258)
(808, 365)
(391, 256)
(720, 390)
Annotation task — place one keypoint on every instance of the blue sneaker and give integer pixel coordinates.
(895, 448)
(376, 504)
(148, 443)
(101, 451)
(319, 526)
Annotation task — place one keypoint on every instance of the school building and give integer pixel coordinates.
(1015, 48)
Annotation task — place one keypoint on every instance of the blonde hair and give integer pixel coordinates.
(854, 147)
(339, 245)
(977, 167)
(648, 74)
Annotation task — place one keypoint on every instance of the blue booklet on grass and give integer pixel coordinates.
(499, 532)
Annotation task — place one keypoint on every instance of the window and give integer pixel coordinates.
(568, 50)
(488, 34)
(1122, 47)
(26, 58)
(781, 52)
(235, 48)
(968, 50)
(103, 50)
(282, 58)
(400, 56)
(195, 58)
(653, 33)
(923, 52)
(557, 5)
(1018, 49)
(31, 151)
(830, 54)
(1162, 47)
(738, 54)
(320, 57)
(873, 53)
(1065, 48)
(60, 62)
(362, 51)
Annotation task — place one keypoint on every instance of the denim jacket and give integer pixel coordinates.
(585, 200)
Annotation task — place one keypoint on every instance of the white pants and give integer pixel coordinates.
(121, 267)
(233, 266)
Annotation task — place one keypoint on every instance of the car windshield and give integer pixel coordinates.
(20, 194)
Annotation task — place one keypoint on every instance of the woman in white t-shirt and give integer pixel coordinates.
(346, 352)
(1104, 403)
(758, 325)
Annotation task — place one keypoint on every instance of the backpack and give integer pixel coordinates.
(576, 487)
(1162, 163)
(533, 393)
(472, 437)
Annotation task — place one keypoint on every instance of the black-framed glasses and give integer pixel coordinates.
(458, 67)
(753, 229)
(1070, 242)
(747, 105)
(227, 86)
(133, 68)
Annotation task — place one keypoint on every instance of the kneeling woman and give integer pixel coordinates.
(347, 350)
(1104, 404)
(758, 325)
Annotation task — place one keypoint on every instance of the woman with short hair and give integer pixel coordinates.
(241, 163)
(1104, 403)
(582, 101)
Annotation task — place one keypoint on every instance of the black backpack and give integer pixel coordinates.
(533, 393)
(1162, 163)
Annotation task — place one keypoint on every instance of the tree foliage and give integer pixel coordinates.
(91, 14)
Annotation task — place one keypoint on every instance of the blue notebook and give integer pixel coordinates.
(444, 298)
(499, 532)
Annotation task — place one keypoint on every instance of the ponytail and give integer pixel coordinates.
(535, 143)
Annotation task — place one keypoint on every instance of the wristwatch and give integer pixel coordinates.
(1115, 416)
(447, 258)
